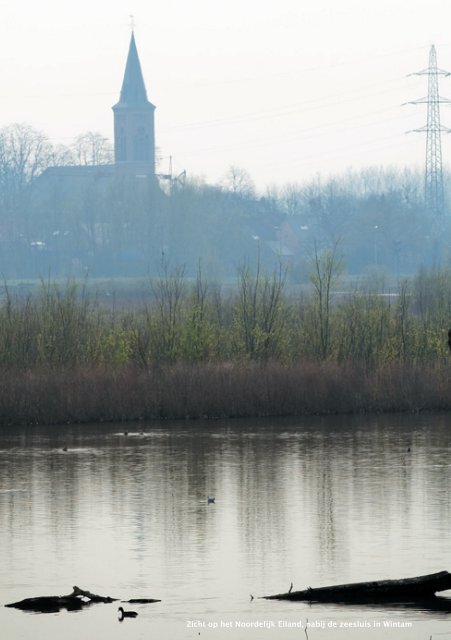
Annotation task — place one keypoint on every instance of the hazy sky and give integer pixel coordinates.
(286, 89)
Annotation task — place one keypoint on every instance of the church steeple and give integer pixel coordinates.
(134, 137)
(133, 92)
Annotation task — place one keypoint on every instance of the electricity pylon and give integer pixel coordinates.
(433, 180)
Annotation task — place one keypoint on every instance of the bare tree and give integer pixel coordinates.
(293, 199)
(327, 266)
(259, 312)
(24, 154)
(169, 292)
(91, 148)
(238, 181)
(62, 156)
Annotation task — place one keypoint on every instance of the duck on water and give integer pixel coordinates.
(121, 614)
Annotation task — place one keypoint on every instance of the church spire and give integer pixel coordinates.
(134, 137)
(133, 92)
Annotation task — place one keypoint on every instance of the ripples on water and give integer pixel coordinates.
(313, 502)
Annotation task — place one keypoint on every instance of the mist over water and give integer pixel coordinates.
(313, 502)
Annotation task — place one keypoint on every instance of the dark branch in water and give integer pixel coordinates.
(75, 601)
(403, 590)
(141, 600)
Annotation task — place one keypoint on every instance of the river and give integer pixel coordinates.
(312, 501)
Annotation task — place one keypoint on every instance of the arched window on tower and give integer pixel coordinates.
(141, 146)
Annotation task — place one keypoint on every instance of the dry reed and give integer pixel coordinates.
(187, 390)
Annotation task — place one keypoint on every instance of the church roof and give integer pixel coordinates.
(133, 92)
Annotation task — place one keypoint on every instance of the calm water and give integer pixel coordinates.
(312, 502)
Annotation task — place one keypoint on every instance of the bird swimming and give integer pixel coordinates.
(210, 500)
(121, 614)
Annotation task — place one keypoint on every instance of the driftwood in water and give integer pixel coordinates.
(407, 589)
(77, 592)
(141, 601)
(78, 599)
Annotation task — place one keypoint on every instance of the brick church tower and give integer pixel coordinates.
(134, 130)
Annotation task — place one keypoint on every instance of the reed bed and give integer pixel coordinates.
(190, 391)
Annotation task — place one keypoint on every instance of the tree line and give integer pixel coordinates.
(123, 227)
(259, 320)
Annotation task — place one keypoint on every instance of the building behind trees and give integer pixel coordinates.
(101, 209)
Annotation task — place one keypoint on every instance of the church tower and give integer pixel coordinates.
(134, 130)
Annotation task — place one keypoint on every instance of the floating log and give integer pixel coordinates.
(93, 597)
(76, 600)
(141, 601)
(404, 590)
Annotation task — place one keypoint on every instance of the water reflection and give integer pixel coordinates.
(313, 502)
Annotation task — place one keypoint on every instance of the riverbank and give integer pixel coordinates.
(220, 390)
(189, 351)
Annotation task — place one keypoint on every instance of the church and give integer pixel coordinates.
(105, 219)
(134, 127)
(114, 220)
(134, 132)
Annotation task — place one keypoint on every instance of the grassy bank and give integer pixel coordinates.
(189, 351)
